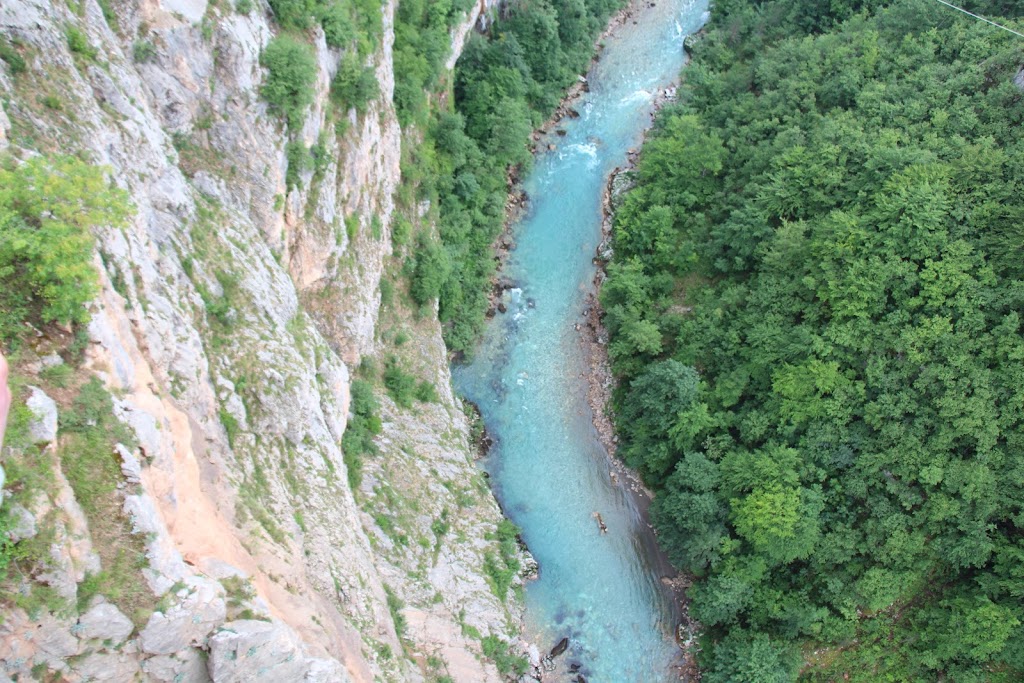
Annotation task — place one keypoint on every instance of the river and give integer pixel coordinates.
(547, 467)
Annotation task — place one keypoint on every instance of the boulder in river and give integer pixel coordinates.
(561, 647)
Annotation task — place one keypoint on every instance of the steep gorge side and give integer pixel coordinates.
(232, 311)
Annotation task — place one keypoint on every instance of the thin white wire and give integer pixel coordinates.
(972, 14)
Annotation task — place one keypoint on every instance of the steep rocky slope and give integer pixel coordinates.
(261, 562)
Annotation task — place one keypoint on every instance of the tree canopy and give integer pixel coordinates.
(48, 209)
(506, 83)
(815, 309)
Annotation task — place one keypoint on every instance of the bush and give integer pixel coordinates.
(299, 161)
(289, 86)
(298, 14)
(498, 650)
(426, 392)
(369, 25)
(355, 84)
(432, 269)
(58, 375)
(744, 656)
(143, 51)
(108, 13)
(504, 566)
(47, 208)
(395, 605)
(243, 6)
(401, 230)
(231, 426)
(78, 43)
(339, 28)
(363, 425)
(15, 62)
(400, 385)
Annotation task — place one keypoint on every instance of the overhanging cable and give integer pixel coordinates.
(972, 14)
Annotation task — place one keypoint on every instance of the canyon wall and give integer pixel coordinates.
(262, 562)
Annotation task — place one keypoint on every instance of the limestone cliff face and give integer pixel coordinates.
(239, 477)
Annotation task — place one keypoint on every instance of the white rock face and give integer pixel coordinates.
(238, 472)
(193, 10)
(5, 126)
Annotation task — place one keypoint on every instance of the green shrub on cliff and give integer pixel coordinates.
(289, 85)
(48, 207)
(344, 21)
(432, 269)
(401, 385)
(355, 84)
(363, 425)
(8, 53)
(297, 14)
(338, 24)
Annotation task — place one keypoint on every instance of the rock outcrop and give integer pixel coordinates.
(260, 562)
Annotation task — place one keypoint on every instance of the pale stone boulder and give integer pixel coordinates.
(326, 671)
(131, 468)
(105, 666)
(188, 623)
(105, 622)
(23, 524)
(187, 666)
(249, 650)
(43, 427)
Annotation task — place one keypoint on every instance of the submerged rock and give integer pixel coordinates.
(561, 647)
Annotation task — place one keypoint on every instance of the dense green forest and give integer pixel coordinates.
(507, 82)
(815, 307)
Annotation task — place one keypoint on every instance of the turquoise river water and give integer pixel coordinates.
(547, 467)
